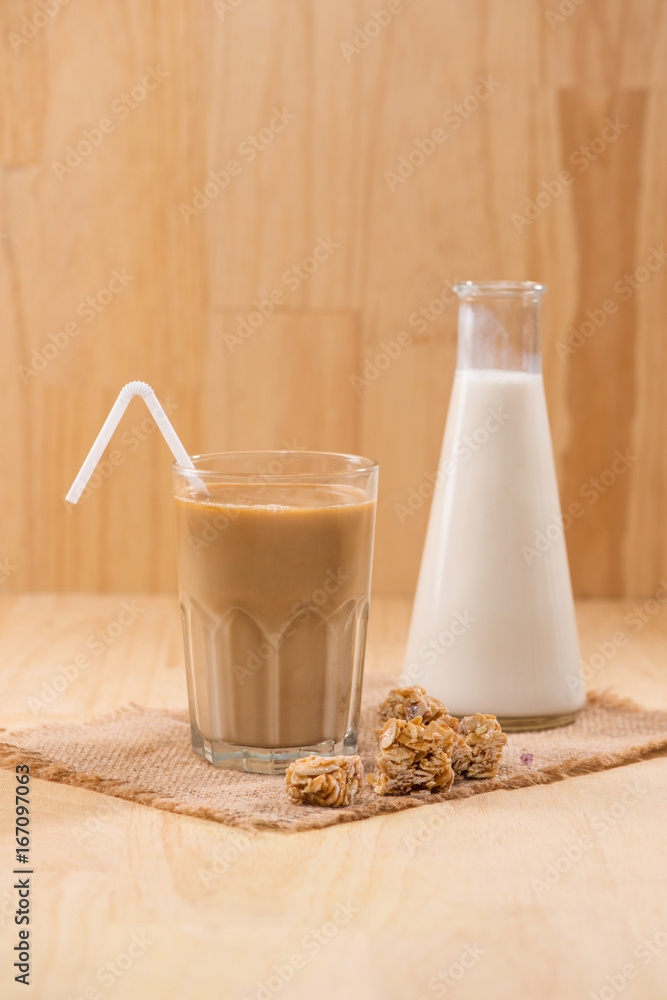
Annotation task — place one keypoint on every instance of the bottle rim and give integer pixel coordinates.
(500, 289)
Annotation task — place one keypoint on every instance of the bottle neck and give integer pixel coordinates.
(500, 330)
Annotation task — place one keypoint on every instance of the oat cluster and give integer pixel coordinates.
(485, 740)
(324, 781)
(409, 702)
(414, 756)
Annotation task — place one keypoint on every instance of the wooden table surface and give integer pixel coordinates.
(546, 892)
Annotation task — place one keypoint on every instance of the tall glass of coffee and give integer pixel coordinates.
(274, 565)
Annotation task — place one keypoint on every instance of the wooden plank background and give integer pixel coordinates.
(354, 95)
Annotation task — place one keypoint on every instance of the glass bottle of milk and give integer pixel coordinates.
(493, 627)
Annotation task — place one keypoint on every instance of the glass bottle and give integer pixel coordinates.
(493, 627)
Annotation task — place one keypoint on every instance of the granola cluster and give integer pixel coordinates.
(486, 740)
(324, 781)
(409, 702)
(423, 747)
(413, 758)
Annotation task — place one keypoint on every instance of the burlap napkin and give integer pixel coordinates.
(144, 755)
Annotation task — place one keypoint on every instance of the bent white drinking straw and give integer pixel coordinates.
(109, 426)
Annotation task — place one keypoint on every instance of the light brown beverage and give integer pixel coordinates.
(274, 586)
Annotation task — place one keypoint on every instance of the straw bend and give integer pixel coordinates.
(117, 410)
(142, 389)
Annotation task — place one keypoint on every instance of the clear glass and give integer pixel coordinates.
(274, 565)
(499, 325)
(493, 627)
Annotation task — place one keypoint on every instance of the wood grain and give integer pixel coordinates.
(426, 884)
(314, 128)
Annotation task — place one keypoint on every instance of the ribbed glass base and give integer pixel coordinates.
(260, 760)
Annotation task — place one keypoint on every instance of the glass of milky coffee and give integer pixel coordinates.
(274, 565)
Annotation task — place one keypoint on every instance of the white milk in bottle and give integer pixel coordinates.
(493, 627)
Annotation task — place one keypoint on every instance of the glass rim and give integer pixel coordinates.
(501, 288)
(364, 465)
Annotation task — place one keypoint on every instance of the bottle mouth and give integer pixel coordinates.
(499, 289)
